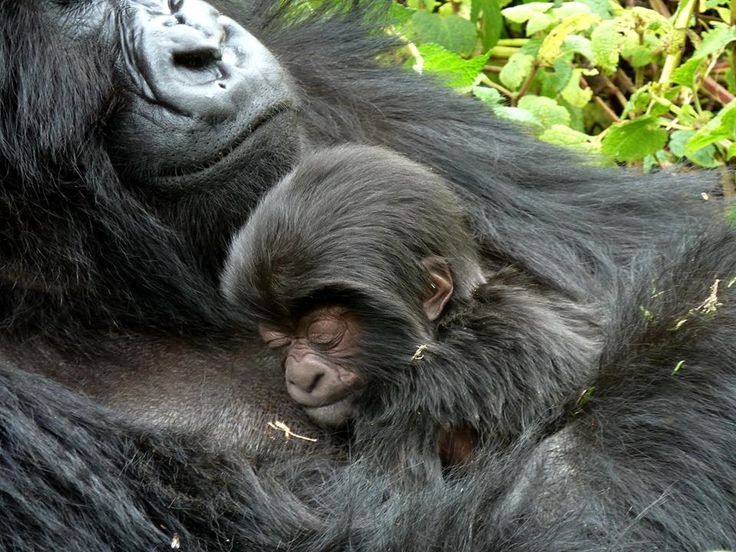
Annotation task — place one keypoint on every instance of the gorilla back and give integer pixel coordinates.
(135, 137)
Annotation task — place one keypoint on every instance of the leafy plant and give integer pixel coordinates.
(646, 86)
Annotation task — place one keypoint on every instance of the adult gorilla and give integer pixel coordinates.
(134, 138)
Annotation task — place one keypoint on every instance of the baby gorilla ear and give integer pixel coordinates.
(442, 286)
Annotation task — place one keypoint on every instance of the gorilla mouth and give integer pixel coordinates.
(331, 416)
(258, 123)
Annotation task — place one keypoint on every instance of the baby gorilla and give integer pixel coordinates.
(363, 273)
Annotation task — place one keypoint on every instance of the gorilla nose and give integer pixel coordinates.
(197, 61)
(310, 383)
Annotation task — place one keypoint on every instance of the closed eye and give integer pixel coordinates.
(273, 339)
(278, 343)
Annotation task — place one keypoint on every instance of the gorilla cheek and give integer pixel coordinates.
(206, 98)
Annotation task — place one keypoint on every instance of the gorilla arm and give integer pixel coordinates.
(96, 482)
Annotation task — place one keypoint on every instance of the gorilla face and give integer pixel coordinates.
(203, 101)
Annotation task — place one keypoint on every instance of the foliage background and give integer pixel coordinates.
(648, 83)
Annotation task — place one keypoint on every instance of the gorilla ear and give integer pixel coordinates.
(442, 286)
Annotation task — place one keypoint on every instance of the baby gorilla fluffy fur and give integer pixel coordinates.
(443, 348)
(615, 417)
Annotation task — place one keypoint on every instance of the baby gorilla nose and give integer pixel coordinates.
(311, 381)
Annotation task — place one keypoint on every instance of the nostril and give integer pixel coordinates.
(314, 383)
(194, 60)
(304, 380)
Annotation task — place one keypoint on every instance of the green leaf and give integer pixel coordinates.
(731, 152)
(606, 43)
(639, 55)
(554, 81)
(570, 9)
(601, 8)
(715, 40)
(562, 135)
(539, 22)
(547, 111)
(452, 32)
(579, 45)
(450, 67)
(573, 93)
(489, 96)
(524, 12)
(517, 115)
(685, 74)
(400, 15)
(552, 44)
(721, 127)
(704, 157)
(638, 101)
(634, 140)
(491, 22)
(516, 70)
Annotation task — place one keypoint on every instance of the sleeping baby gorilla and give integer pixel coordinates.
(364, 275)
(458, 372)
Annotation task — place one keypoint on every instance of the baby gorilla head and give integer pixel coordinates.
(319, 351)
(348, 264)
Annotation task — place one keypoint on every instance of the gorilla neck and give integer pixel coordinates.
(206, 217)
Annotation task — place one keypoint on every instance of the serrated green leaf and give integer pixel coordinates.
(562, 135)
(522, 13)
(724, 14)
(704, 157)
(632, 141)
(489, 96)
(715, 40)
(685, 74)
(450, 67)
(547, 111)
(452, 32)
(606, 43)
(552, 44)
(601, 8)
(554, 81)
(516, 70)
(573, 93)
(578, 45)
(721, 127)
(517, 115)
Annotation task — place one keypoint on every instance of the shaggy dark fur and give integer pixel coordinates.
(98, 257)
(592, 402)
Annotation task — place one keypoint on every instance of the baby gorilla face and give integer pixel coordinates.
(318, 355)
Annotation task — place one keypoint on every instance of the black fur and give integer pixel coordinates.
(88, 257)
(617, 412)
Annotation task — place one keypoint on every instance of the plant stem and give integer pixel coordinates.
(685, 10)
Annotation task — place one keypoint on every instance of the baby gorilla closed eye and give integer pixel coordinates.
(318, 352)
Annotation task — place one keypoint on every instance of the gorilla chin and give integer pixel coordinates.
(332, 416)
